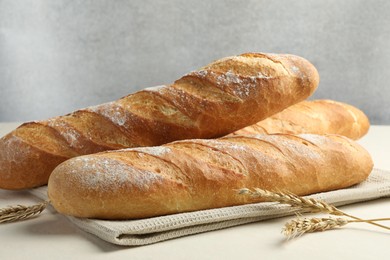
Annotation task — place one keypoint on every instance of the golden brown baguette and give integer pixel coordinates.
(218, 99)
(315, 117)
(202, 174)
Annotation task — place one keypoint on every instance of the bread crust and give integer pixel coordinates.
(218, 99)
(321, 116)
(194, 175)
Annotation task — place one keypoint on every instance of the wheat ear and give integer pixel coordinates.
(309, 205)
(299, 226)
(20, 212)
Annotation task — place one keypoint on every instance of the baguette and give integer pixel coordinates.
(194, 175)
(315, 117)
(218, 99)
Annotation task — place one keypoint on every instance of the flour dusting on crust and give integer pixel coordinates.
(71, 136)
(296, 147)
(242, 86)
(103, 174)
(111, 111)
(155, 150)
(156, 88)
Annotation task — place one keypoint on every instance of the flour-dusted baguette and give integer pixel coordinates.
(314, 117)
(218, 99)
(202, 174)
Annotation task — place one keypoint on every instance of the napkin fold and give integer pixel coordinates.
(157, 229)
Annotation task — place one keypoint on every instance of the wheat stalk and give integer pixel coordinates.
(308, 205)
(20, 212)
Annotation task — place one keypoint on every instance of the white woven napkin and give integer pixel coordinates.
(152, 230)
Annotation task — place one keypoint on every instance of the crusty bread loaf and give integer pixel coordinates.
(202, 174)
(314, 117)
(218, 99)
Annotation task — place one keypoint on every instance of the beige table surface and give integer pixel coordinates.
(51, 236)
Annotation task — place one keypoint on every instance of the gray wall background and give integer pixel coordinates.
(60, 55)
